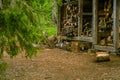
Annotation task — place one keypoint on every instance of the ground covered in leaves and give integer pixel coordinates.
(57, 64)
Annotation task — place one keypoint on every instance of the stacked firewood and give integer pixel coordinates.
(87, 28)
(106, 25)
(105, 31)
(70, 23)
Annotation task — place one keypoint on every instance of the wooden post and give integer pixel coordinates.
(116, 24)
(59, 20)
(80, 17)
(95, 22)
(54, 11)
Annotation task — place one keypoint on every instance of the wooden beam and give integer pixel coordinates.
(116, 24)
(95, 21)
(86, 39)
(59, 20)
(80, 14)
(104, 48)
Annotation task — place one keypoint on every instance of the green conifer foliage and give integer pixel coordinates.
(19, 27)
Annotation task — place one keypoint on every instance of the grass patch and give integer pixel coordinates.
(5, 79)
(50, 30)
(3, 67)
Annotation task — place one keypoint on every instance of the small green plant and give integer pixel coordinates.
(50, 30)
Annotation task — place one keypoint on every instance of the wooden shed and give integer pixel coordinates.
(94, 21)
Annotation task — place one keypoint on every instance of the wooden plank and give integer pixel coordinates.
(104, 48)
(100, 13)
(86, 39)
(71, 2)
(88, 13)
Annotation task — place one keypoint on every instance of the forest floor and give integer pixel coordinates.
(57, 64)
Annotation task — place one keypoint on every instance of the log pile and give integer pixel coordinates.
(105, 21)
(105, 32)
(70, 23)
(87, 28)
(105, 25)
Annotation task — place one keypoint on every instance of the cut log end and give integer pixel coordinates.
(102, 56)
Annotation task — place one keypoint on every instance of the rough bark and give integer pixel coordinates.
(1, 6)
(54, 11)
(102, 56)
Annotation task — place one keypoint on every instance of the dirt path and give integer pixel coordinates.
(56, 64)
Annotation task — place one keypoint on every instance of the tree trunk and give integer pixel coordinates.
(54, 11)
(1, 6)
